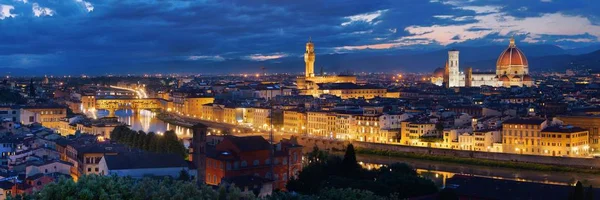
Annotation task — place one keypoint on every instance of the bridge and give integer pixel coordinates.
(113, 105)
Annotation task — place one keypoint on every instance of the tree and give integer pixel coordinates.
(31, 88)
(447, 194)
(439, 127)
(112, 187)
(577, 193)
(589, 193)
(349, 163)
(148, 141)
(183, 175)
(317, 155)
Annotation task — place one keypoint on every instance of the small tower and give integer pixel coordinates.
(454, 72)
(199, 150)
(309, 58)
(469, 77)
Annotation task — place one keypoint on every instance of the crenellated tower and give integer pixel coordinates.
(309, 59)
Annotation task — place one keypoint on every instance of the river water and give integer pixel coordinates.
(438, 172)
(146, 121)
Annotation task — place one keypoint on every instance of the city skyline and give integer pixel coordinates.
(99, 38)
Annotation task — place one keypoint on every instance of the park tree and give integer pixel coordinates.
(349, 163)
(183, 175)
(577, 193)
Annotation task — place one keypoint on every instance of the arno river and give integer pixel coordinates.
(436, 171)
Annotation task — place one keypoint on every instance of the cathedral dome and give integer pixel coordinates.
(439, 72)
(527, 78)
(512, 56)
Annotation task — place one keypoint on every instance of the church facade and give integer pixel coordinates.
(512, 69)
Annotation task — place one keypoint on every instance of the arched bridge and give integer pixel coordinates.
(134, 104)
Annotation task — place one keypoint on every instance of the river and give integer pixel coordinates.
(439, 172)
(436, 171)
(147, 121)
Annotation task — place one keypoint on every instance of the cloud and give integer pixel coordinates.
(211, 58)
(482, 9)
(369, 18)
(39, 11)
(502, 24)
(87, 5)
(575, 40)
(24, 1)
(443, 16)
(5, 11)
(390, 45)
(263, 57)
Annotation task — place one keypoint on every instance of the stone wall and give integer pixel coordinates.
(562, 161)
(323, 144)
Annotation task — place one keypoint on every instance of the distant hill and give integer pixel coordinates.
(551, 63)
(482, 58)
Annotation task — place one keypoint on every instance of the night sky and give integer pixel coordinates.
(144, 36)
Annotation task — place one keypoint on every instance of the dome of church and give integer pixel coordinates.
(439, 72)
(527, 78)
(512, 56)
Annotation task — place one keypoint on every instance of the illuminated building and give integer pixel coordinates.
(523, 136)
(568, 141)
(349, 90)
(48, 116)
(321, 123)
(512, 69)
(310, 80)
(294, 121)
(411, 132)
(228, 158)
(589, 122)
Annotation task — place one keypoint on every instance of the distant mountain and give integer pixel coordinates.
(583, 50)
(481, 58)
(551, 63)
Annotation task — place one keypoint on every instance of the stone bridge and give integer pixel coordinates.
(134, 104)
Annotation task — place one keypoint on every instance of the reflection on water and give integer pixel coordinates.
(146, 121)
(440, 177)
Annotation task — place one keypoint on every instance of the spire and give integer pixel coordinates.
(309, 39)
(512, 41)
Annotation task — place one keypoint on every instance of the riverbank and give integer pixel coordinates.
(166, 118)
(477, 162)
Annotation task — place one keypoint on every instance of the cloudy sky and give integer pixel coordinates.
(115, 36)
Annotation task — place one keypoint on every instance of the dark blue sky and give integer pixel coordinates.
(148, 36)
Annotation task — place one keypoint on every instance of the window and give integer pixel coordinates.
(267, 161)
(96, 169)
(244, 163)
(89, 169)
(236, 164)
(255, 162)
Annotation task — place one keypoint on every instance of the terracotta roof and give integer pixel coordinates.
(512, 56)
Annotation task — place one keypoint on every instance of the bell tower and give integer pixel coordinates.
(453, 66)
(309, 59)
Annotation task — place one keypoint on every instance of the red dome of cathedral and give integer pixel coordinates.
(527, 78)
(512, 56)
